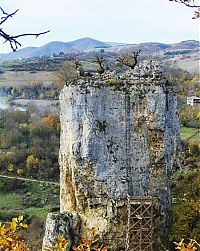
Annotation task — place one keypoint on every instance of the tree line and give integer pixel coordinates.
(29, 146)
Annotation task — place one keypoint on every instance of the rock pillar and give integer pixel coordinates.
(119, 137)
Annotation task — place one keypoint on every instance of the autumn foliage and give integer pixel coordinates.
(10, 237)
(12, 240)
(191, 246)
(60, 245)
(90, 244)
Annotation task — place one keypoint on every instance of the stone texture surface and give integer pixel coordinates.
(119, 136)
(65, 224)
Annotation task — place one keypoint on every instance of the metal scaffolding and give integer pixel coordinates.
(140, 223)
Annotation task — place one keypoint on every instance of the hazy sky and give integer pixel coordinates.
(131, 21)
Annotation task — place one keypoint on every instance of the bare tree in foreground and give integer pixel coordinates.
(190, 4)
(13, 39)
(129, 59)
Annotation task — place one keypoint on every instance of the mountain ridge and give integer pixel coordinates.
(55, 47)
(87, 43)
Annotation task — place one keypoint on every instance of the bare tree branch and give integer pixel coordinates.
(13, 39)
(99, 59)
(190, 4)
(129, 59)
(79, 67)
(4, 18)
(66, 74)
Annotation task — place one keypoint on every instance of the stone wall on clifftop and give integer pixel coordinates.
(119, 137)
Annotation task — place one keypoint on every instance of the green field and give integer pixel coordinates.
(29, 198)
(187, 134)
(33, 200)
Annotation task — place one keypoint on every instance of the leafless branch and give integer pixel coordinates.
(79, 67)
(13, 39)
(187, 3)
(66, 74)
(4, 18)
(99, 59)
(129, 59)
(190, 4)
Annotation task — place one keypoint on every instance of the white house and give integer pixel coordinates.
(193, 100)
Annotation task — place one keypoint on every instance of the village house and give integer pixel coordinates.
(193, 100)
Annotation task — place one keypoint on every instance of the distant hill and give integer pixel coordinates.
(56, 47)
(184, 54)
(155, 47)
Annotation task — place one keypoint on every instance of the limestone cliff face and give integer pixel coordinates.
(119, 137)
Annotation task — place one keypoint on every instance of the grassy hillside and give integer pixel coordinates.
(27, 197)
(188, 62)
(31, 199)
(190, 134)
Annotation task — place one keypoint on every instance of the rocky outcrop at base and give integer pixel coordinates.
(61, 224)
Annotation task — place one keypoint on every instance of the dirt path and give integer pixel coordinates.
(198, 131)
(27, 179)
